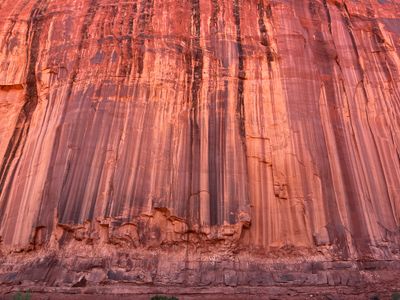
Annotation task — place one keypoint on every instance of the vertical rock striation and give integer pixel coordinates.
(257, 127)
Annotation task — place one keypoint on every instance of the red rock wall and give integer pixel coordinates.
(239, 125)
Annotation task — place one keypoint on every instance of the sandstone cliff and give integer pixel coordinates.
(256, 127)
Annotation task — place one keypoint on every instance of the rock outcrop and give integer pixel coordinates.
(204, 130)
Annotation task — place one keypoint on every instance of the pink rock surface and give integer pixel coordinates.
(266, 129)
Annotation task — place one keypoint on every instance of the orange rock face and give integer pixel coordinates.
(215, 128)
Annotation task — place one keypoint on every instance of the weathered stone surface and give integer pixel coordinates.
(202, 131)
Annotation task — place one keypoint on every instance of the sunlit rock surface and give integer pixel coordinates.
(205, 131)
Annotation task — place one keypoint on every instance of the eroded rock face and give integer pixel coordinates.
(261, 127)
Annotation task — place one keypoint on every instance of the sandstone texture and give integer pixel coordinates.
(226, 145)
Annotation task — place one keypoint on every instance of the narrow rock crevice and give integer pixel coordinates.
(265, 41)
(240, 109)
(216, 124)
(195, 109)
